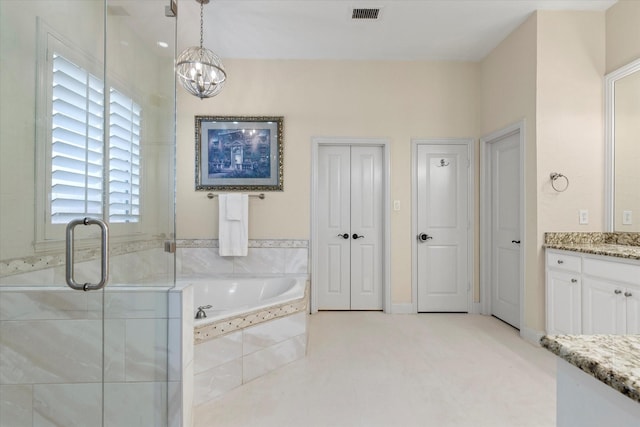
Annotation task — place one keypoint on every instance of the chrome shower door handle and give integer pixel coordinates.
(104, 255)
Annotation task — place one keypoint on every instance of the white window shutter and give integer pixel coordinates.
(76, 142)
(124, 158)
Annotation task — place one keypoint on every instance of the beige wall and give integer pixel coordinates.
(508, 95)
(394, 100)
(571, 63)
(623, 33)
(549, 73)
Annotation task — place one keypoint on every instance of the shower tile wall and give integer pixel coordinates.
(51, 349)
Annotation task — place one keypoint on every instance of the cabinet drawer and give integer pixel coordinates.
(612, 270)
(562, 261)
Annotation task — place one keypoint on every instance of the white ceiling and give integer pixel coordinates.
(459, 30)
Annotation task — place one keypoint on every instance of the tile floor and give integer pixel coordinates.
(374, 369)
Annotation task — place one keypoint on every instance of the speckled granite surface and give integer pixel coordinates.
(612, 359)
(621, 245)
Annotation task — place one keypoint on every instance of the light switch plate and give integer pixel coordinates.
(396, 205)
(584, 216)
(627, 218)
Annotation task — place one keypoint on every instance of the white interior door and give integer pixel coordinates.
(334, 228)
(505, 229)
(442, 221)
(350, 227)
(366, 228)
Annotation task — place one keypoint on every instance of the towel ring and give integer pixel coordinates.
(554, 177)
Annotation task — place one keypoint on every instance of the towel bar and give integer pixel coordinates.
(259, 196)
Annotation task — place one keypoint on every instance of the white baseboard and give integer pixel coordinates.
(531, 335)
(476, 308)
(405, 308)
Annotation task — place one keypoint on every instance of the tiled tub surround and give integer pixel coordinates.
(51, 363)
(264, 257)
(228, 361)
(621, 245)
(612, 360)
(232, 351)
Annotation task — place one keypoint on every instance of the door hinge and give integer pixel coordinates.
(169, 246)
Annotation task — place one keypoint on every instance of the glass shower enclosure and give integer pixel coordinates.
(87, 148)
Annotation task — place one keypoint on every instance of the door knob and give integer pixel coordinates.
(628, 294)
(517, 242)
(356, 237)
(617, 291)
(344, 236)
(423, 237)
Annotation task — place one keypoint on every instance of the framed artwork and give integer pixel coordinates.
(239, 153)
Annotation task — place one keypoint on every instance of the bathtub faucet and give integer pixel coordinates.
(201, 311)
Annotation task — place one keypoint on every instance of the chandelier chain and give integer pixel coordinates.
(201, 22)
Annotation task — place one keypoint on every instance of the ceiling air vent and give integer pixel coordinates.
(365, 13)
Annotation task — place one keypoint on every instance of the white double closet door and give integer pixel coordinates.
(350, 227)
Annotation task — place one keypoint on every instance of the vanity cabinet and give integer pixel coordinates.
(591, 294)
(563, 293)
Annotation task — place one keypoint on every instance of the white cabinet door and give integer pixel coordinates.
(350, 227)
(632, 299)
(564, 303)
(603, 310)
(442, 216)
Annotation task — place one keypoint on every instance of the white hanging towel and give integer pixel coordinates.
(233, 216)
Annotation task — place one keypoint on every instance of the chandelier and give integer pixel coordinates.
(199, 70)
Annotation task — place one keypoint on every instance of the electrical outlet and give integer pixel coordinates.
(396, 205)
(627, 218)
(584, 216)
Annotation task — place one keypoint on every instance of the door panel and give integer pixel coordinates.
(350, 202)
(564, 309)
(366, 221)
(334, 194)
(505, 229)
(602, 308)
(442, 173)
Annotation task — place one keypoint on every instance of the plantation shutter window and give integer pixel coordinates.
(77, 121)
(79, 164)
(124, 158)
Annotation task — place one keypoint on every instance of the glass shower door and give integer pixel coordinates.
(87, 117)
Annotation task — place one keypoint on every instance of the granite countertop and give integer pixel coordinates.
(619, 251)
(620, 245)
(612, 359)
